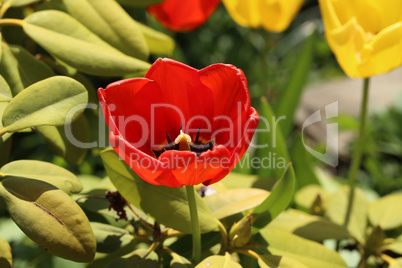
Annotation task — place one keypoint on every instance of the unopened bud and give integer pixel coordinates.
(240, 233)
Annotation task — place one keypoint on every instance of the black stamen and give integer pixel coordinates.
(168, 138)
(181, 127)
(198, 135)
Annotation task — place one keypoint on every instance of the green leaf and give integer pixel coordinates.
(55, 99)
(49, 217)
(308, 194)
(140, 258)
(394, 247)
(218, 261)
(336, 211)
(6, 260)
(23, 69)
(277, 201)
(303, 165)
(396, 263)
(271, 261)
(71, 42)
(307, 226)
(71, 147)
(175, 210)
(233, 201)
(309, 253)
(273, 153)
(158, 43)
(138, 3)
(180, 262)
(18, 3)
(108, 20)
(43, 171)
(289, 97)
(5, 92)
(5, 141)
(110, 238)
(385, 213)
(237, 180)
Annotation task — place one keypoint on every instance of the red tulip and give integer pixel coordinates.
(179, 125)
(183, 16)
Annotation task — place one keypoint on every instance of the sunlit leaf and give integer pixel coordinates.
(175, 211)
(385, 212)
(6, 260)
(307, 226)
(233, 201)
(279, 199)
(218, 262)
(139, 258)
(67, 39)
(158, 43)
(49, 217)
(43, 171)
(309, 253)
(18, 3)
(5, 92)
(336, 211)
(308, 194)
(108, 20)
(110, 238)
(271, 261)
(55, 98)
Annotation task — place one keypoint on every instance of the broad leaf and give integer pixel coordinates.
(309, 253)
(277, 201)
(386, 212)
(6, 260)
(58, 100)
(237, 180)
(110, 238)
(272, 152)
(307, 226)
(158, 43)
(271, 261)
(49, 217)
(180, 262)
(233, 201)
(218, 262)
(336, 211)
(138, 3)
(18, 3)
(175, 211)
(69, 141)
(71, 42)
(140, 258)
(108, 20)
(5, 92)
(308, 194)
(43, 171)
(394, 246)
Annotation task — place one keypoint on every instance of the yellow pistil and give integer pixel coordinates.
(183, 140)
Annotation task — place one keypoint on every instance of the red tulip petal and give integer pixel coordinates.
(183, 16)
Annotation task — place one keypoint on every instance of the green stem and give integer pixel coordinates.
(194, 224)
(357, 156)
(12, 22)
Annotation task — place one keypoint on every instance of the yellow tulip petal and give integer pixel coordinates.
(329, 16)
(243, 12)
(383, 53)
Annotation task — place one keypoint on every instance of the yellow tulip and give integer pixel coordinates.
(365, 35)
(273, 15)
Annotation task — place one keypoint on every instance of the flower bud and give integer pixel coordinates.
(240, 233)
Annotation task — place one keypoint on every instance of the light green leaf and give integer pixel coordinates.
(274, 155)
(108, 20)
(308, 194)
(138, 3)
(175, 210)
(43, 171)
(277, 201)
(272, 261)
(218, 262)
(5, 92)
(289, 97)
(18, 3)
(238, 180)
(385, 212)
(110, 238)
(71, 147)
(309, 253)
(336, 211)
(396, 263)
(233, 201)
(71, 42)
(140, 258)
(307, 226)
(158, 43)
(9, 69)
(180, 262)
(49, 217)
(5, 141)
(394, 247)
(6, 260)
(55, 98)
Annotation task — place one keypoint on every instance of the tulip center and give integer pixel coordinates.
(183, 142)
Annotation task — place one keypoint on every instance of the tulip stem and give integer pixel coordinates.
(357, 156)
(194, 223)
